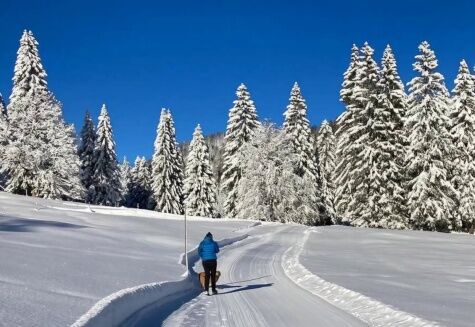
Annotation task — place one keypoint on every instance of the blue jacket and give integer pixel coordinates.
(208, 249)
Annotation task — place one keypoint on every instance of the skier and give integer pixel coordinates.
(207, 251)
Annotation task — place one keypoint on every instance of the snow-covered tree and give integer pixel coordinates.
(86, 155)
(350, 77)
(241, 125)
(106, 178)
(41, 156)
(3, 138)
(353, 171)
(269, 188)
(463, 159)
(297, 127)
(140, 190)
(387, 143)
(326, 161)
(167, 173)
(200, 197)
(29, 75)
(125, 181)
(344, 140)
(430, 194)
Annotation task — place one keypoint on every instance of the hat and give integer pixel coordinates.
(209, 235)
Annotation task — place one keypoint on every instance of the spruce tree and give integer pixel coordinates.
(297, 127)
(3, 139)
(86, 155)
(125, 181)
(387, 142)
(326, 161)
(344, 139)
(140, 190)
(41, 156)
(29, 75)
(200, 197)
(430, 194)
(463, 159)
(167, 168)
(241, 125)
(354, 153)
(106, 178)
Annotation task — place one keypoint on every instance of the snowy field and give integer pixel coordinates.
(430, 275)
(59, 258)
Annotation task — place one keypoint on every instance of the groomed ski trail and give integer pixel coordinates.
(255, 291)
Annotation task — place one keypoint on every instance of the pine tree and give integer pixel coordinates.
(344, 140)
(86, 155)
(125, 182)
(3, 139)
(167, 168)
(430, 195)
(463, 159)
(353, 172)
(200, 197)
(297, 127)
(387, 141)
(326, 161)
(106, 178)
(350, 77)
(29, 75)
(41, 156)
(140, 190)
(241, 125)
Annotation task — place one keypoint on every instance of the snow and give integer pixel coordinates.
(116, 308)
(56, 264)
(254, 290)
(63, 260)
(417, 272)
(373, 312)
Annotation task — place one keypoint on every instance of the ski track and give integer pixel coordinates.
(365, 308)
(254, 290)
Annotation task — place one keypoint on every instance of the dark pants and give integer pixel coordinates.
(210, 271)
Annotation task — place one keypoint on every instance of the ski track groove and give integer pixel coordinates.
(272, 300)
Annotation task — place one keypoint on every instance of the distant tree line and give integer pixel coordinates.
(391, 160)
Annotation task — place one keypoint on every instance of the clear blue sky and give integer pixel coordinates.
(190, 56)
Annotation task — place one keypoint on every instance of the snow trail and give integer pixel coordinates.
(254, 290)
(124, 307)
(371, 311)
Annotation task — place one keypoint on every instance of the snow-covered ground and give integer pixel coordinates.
(430, 275)
(59, 258)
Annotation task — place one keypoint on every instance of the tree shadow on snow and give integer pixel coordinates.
(30, 225)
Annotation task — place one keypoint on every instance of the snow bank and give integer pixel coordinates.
(364, 308)
(117, 307)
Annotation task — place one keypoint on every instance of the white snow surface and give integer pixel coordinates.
(373, 312)
(426, 274)
(115, 309)
(59, 258)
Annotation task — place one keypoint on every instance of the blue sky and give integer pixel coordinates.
(190, 56)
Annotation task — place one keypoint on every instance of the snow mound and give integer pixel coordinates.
(368, 310)
(114, 309)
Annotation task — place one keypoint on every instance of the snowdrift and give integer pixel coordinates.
(114, 309)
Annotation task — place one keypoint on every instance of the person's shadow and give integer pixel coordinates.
(240, 288)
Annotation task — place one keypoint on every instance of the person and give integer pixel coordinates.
(207, 251)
